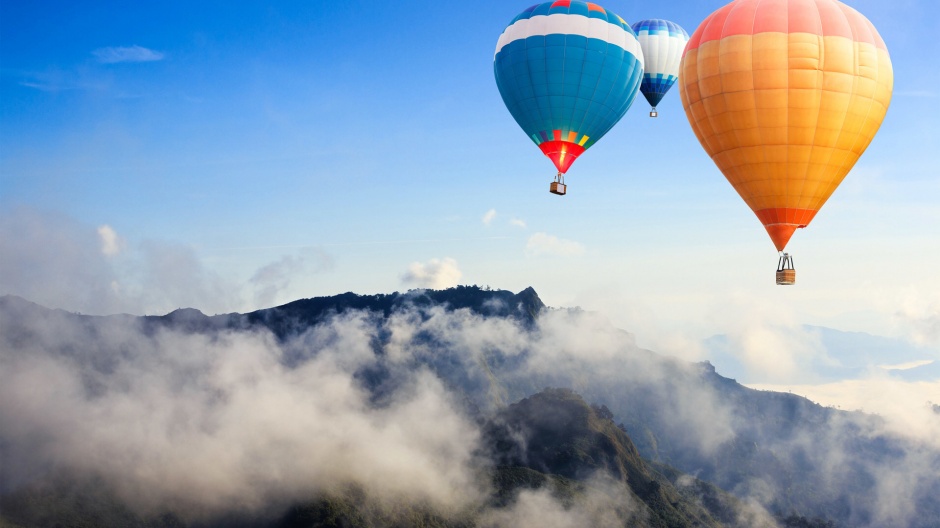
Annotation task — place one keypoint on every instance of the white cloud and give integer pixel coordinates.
(434, 274)
(491, 215)
(775, 352)
(173, 276)
(907, 365)
(201, 423)
(113, 55)
(768, 342)
(272, 279)
(603, 504)
(57, 262)
(111, 243)
(921, 319)
(903, 404)
(237, 419)
(541, 244)
(49, 259)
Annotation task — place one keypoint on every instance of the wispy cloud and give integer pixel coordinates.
(543, 244)
(922, 318)
(57, 80)
(906, 412)
(46, 87)
(54, 260)
(907, 365)
(436, 274)
(116, 54)
(111, 243)
(491, 215)
(776, 352)
(603, 504)
(275, 278)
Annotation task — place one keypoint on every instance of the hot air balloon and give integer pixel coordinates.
(785, 95)
(567, 71)
(662, 42)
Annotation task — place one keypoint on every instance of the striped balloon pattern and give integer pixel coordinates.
(567, 71)
(785, 95)
(662, 42)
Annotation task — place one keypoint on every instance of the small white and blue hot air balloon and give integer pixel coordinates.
(662, 42)
(567, 71)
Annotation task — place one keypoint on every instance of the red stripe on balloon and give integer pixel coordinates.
(562, 153)
(828, 18)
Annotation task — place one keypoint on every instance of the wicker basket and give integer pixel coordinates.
(786, 277)
(558, 188)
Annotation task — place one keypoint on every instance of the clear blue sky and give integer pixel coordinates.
(286, 150)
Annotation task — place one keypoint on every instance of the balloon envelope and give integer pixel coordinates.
(567, 71)
(785, 95)
(662, 42)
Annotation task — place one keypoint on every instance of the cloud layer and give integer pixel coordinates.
(194, 419)
(237, 419)
(215, 423)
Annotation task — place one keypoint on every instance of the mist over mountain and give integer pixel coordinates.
(838, 356)
(428, 405)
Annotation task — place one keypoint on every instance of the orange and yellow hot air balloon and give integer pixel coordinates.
(785, 95)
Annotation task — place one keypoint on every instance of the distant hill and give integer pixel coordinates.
(498, 350)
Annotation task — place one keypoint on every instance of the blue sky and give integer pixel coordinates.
(233, 157)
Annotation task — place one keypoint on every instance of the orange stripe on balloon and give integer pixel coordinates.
(780, 234)
(785, 215)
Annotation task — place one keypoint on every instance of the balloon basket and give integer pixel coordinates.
(558, 186)
(654, 113)
(786, 273)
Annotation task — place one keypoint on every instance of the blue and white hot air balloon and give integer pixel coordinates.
(662, 42)
(567, 71)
